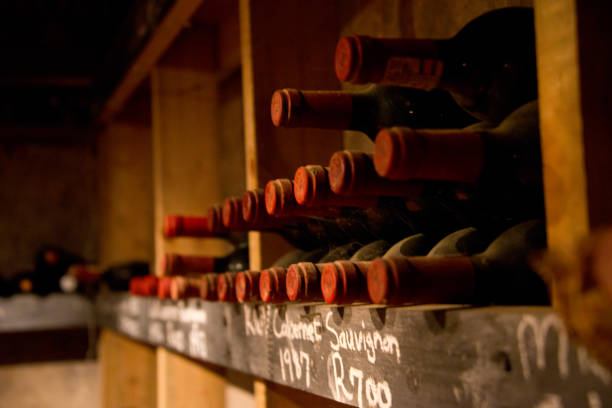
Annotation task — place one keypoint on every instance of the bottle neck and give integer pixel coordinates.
(447, 155)
(183, 264)
(353, 173)
(401, 280)
(312, 109)
(413, 63)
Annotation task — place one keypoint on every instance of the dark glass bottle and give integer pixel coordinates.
(303, 281)
(367, 111)
(50, 265)
(500, 274)
(489, 66)
(186, 226)
(495, 175)
(174, 264)
(247, 282)
(117, 277)
(345, 282)
(272, 281)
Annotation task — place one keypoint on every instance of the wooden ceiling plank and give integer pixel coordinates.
(177, 17)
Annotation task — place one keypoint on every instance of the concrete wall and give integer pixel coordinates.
(47, 196)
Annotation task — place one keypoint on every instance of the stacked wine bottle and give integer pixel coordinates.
(447, 209)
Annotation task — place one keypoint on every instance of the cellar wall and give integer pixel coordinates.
(48, 196)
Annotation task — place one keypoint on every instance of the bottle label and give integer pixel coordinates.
(421, 73)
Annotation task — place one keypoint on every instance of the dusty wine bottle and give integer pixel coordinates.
(247, 282)
(367, 111)
(303, 280)
(174, 264)
(500, 274)
(489, 66)
(353, 173)
(186, 226)
(347, 282)
(511, 151)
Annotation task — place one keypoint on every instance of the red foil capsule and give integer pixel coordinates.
(163, 287)
(184, 287)
(353, 173)
(344, 282)
(226, 291)
(247, 286)
(215, 220)
(184, 226)
(311, 188)
(272, 285)
(303, 282)
(208, 287)
(280, 202)
(174, 264)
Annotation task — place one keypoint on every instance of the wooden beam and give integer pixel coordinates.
(176, 18)
(127, 372)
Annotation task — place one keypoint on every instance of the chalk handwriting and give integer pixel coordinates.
(175, 337)
(307, 331)
(550, 401)
(377, 393)
(540, 330)
(197, 342)
(366, 341)
(156, 332)
(129, 326)
(594, 400)
(192, 315)
(256, 324)
(588, 365)
(130, 306)
(295, 365)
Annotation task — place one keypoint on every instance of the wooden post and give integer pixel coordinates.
(574, 90)
(188, 178)
(127, 371)
(276, 53)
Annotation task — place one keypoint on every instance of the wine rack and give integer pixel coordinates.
(213, 86)
(430, 356)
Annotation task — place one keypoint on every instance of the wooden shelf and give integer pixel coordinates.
(373, 356)
(30, 312)
(213, 68)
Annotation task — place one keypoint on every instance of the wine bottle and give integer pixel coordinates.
(163, 287)
(500, 274)
(367, 111)
(272, 281)
(353, 173)
(174, 264)
(117, 277)
(489, 66)
(247, 282)
(144, 285)
(511, 151)
(226, 288)
(81, 278)
(21, 283)
(184, 287)
(303, 280)
(331, 225)
(186, 226)
(363, 217)
(347, 282)
(301, 232)
(214, 219)
(51, 264)
(280, 202)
